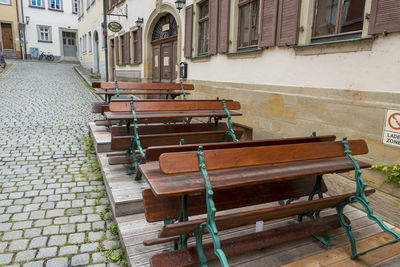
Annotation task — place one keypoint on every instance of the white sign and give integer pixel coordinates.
(391, 132)
(165, 27)
(156, 61)
(166, 61)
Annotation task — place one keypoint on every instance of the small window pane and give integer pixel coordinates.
(244, 25)
(254, 21)
(352, 15)
(325, 23)
(204, 10)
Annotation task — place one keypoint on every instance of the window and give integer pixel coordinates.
(6, 2)
(36, 3)
(87, 4)
(248, 22)
(90, 42)
(44, 33)
(80, 46)
(75, 6)
(203, 27)
(55, 4)
(338, 17)
(84, 43)
(122, 44)
(81, 8)
(135, 47)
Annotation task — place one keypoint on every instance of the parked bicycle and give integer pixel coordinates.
(48, 56)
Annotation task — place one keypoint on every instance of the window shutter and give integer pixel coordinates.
(385, 16)
(139, 45)
(223, 26)
(288, 22)
(269, 13)
(116, 48)
(127, 47)
(213, 28)
(188, 31)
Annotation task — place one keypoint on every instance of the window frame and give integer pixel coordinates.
(90, 42)
(121, 43)
(56, 9)
(338, 23)
(75, 2)
(135, 47)
(200, 22)
(37, 6)
(252, 43)
(39, 32)
(9, 3)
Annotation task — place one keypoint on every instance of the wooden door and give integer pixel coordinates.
(156, 64)
(166, 62)
(6, 33)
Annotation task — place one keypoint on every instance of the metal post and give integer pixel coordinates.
(105, 37)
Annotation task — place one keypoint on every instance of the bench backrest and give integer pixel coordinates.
(142, 86)
(173, 105)
(182, 162)
(168, 128)
(154, 152)
(167, 208)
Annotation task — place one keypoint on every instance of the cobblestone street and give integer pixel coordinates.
(50, 200)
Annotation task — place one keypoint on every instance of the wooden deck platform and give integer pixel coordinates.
(127, 206)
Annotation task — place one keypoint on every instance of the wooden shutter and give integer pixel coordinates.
(269, 14)
(213, 28)
(127, 47)
(288, 22)
(223, 26)
(188, 31)
(139, 45)
(116, 48)
(385, 16)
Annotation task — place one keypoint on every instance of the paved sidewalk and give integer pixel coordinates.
(50, 201)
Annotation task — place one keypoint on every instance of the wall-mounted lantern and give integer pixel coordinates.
(139, 22)
(27, 18)
(179, 4)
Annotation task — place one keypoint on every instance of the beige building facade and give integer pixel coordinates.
(295, 66)
(10, 15)
(91, 38)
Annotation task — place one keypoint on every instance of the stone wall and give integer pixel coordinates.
(281, 111)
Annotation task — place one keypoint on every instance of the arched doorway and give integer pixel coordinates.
(96, 52)
(164, 47)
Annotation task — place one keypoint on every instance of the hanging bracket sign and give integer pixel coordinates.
(114, 26)
(391, 132)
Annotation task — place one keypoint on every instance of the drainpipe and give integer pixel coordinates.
(105, 37)
(19, 37)
(23, 21)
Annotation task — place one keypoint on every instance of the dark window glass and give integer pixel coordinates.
(248, 23)
(135, 46)
(203, 27)
(338, 16)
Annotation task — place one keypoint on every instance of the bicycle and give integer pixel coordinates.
(48, 56)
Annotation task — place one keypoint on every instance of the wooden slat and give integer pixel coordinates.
(191, 183)
(154, 152)
(173, 106)
(241, 157)
(169, 128)
(169, 114)
(166, 208)
(239, 219)
(97, 107)
(242, 244)
(117, 160)
(123, 142)
(142, 86)
(113, 92)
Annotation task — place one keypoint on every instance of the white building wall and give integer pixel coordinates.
(56, 19)
(370, 65)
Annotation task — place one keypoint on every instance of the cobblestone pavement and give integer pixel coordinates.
(50, 202)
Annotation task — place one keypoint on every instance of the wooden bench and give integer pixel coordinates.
(110, 89)
(164, 134)
(185, 110)
(185, 184)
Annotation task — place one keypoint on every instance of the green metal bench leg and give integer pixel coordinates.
(361, 198)
(199, 245)
(230, 131)
(211, 210)
(136, 144)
